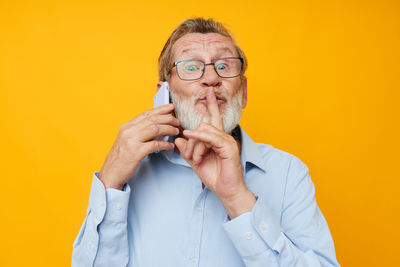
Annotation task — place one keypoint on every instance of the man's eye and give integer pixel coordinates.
(222, 66)
(191, 68)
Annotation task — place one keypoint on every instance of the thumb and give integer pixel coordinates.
(182, 144)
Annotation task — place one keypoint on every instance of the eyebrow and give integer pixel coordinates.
(224, 49)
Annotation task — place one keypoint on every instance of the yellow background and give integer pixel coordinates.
(323, 85)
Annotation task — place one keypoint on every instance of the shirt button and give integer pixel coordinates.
(92, 246)
(102, 202)
(118, 206)
(248, 235)
(193, 258)
(262, 226)
(198, 208)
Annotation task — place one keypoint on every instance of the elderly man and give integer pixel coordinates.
(211, 196)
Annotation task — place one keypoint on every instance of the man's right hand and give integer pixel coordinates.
(135, 141)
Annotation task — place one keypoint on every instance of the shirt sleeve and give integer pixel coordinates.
(300, 238)
(103, 238)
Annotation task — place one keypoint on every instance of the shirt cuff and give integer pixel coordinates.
(108, 204)
(266, 224)
(244, 236)
(254, 232)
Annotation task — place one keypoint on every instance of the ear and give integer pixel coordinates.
(159, 85)
(244, 89)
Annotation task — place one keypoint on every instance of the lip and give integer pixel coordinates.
(204, 100)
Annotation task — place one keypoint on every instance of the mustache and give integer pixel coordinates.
(219, 93)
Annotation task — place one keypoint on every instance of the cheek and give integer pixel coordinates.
(182, 89)
(234, 88)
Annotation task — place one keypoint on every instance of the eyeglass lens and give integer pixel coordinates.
(193, 69)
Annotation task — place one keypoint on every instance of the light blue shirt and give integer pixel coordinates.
(163, 217)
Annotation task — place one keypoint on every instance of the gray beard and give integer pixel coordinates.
(190, 119)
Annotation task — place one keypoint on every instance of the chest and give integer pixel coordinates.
(173, 221)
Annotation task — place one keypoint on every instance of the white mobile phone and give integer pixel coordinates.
(162, 98)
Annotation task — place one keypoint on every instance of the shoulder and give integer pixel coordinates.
(276, 158)
(269, 158)
(288, 171)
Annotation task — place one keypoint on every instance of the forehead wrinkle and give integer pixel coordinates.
(189, 50)
(201, 42)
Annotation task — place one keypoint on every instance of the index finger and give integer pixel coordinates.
(164, 109)
(161, 110)
(213, 110)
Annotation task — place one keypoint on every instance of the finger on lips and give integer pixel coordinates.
(213, 109)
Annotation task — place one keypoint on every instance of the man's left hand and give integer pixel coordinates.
(215, 157)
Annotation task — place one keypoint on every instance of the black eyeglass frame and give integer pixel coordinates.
(206, 64)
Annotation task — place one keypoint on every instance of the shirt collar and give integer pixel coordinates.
(174, 157)
(250, 153)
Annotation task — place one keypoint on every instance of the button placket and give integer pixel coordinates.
(248, 235)
(262, 226)
(193, 258)
(196, 229)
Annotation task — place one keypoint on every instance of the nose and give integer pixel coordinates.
(210, 77)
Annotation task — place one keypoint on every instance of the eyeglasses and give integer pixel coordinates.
(189, 70)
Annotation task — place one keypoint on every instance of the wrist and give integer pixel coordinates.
(239, 204)
(108, 183)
